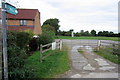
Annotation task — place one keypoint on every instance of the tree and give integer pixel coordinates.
(71, 30)
(82, 31)
(86, 33)
(54, 23)
(111, 34)
(48, 28)
(93, 33)
(100, 33)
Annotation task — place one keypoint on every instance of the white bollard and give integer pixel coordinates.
(72, 34)
(99, 44)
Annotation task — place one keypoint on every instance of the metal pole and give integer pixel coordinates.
(4, 39)
(0, 49)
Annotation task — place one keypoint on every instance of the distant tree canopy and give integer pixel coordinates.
(53, 23)
(48, 28)
(91, 33)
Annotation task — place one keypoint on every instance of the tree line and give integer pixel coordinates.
(87, 33)
(53, 24)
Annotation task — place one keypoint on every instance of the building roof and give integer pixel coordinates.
(23, 14)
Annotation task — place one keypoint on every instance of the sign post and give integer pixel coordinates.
(11, 9)
(6, 7)
(4, 40)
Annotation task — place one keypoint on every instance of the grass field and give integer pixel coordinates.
(53, 65)
(107, 54)
(97, 38)
(80, 51)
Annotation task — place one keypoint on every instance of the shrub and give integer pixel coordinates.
(11, 38)
(47, 36)
(17, 42)
(22, 39)
(33, 44)
(45, 39)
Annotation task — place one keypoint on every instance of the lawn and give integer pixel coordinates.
(107, 54)
(85, 37)
(53, 65)
(80, 51)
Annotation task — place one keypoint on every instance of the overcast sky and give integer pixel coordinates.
(77, 14)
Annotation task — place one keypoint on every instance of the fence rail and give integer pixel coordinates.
(50, 46)
(114, 46)
(98, 44)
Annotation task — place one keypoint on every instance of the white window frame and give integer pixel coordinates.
(23, 22)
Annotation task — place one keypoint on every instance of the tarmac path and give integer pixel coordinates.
(88, 64)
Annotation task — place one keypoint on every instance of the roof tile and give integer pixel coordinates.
(24, 14)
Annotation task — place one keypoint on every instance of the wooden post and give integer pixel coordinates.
(113, 48)
(99, 44)
(60, 44)
(41, 53)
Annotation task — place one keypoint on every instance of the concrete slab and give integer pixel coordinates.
(102, 62)
(89, 48)
(78, 60)
(78, 66)
(89, 67)
(76, 76)
(106, 68)
(102, 75)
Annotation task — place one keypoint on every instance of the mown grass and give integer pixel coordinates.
(80, 51)
(108, 54)
(82, 37)
(51, 66)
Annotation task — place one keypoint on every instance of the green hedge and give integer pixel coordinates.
(20, 45)
(17, 54)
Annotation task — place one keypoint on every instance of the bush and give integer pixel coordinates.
(17, 43)
(22, 39)
(45, 39)
(33, 44)
(11, 38)
(47, 36)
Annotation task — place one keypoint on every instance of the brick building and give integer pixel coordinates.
(26, 19)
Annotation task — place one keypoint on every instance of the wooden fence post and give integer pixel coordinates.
(60, 44)
(99, 44)
(41, 53)
(113, 48)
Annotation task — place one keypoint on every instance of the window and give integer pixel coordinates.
(22, 22)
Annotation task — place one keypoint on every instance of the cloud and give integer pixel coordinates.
(78, 14)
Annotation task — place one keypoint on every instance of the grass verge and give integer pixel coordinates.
(95, 38)
(52, 66)
(80, 51)
(107, 54)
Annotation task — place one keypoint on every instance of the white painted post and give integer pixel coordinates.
(53, 45)
(99, 43)
(72, 34)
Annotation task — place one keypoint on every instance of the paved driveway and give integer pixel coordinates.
(88, 64)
